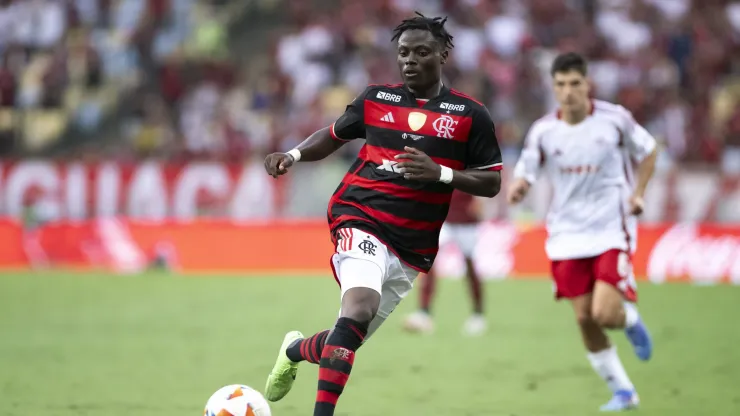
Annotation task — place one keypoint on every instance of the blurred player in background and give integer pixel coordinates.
(460, 229)
(422, 140)
(587, 149)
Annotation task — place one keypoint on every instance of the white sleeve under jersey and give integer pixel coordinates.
(590, 168)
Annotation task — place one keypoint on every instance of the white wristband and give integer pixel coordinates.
(445, 176)
(295, 154)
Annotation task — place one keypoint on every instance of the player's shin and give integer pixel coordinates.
(308, 349)
(476, 288)
(336, 362)
(428, 283)
(359, 307)
(609, 367)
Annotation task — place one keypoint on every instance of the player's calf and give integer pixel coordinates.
(359, 306)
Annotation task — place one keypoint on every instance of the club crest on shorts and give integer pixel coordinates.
(417, 120)
(367, 247)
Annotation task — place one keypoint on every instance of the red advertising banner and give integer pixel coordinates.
(149, 190)
(166, 190)
(687, 252)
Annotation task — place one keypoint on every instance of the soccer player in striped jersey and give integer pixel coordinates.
(422, 141)
(587, 149)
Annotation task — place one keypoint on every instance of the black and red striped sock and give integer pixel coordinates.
(336, 363)
(308, 349)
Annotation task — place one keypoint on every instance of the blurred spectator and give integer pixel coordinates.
(668, 61)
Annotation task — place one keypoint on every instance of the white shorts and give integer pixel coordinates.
(464, 236)
(361, 260)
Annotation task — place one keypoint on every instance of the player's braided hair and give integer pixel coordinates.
(435, 25)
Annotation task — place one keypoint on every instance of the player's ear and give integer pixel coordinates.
(444, 56)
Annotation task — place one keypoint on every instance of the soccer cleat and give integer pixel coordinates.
(419, 322)
(640, 339)
(621, 401)
(282, 376)
(475, 326)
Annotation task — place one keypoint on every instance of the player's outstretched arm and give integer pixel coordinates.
(316, 147)
(528, 166)
(518, 190)
(417, 165)
(644, 173)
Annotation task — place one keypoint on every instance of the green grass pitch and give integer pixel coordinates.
(160, 345)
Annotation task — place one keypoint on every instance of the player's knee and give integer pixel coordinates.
(584, 318)
(360, 304)
(605, 317)
(360, 313)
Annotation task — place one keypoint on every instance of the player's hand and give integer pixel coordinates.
(418, 166)
(637, 205)
(277, 164)
(517, 191)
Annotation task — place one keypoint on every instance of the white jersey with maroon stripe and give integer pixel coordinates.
(590, 167)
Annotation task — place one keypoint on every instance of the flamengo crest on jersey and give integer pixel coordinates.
(445, 126)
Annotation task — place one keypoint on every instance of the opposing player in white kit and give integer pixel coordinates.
(587, 149)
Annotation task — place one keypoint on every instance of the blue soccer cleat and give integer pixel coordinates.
(639, 337)
(621, 401)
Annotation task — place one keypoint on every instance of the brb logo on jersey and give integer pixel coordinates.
(389, 97)
(445, 126)
(452, 107)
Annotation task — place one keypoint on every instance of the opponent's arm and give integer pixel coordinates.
(643, 147)
(645, 171)
(527, 167)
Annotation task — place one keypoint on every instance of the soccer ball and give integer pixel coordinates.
(237, 400)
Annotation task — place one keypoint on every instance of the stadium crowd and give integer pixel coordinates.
(671, 62)
(65, 62)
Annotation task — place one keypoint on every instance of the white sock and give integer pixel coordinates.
(607, 365)
(631, 316)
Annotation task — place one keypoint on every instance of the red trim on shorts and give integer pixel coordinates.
(334, 271)
(350, 217)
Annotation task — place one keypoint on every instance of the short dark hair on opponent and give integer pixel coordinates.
(570, 61)
(435, 25)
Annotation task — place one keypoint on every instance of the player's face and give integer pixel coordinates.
(420, 59)
(571, 90)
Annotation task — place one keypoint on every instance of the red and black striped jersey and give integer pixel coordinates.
(452, 128)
